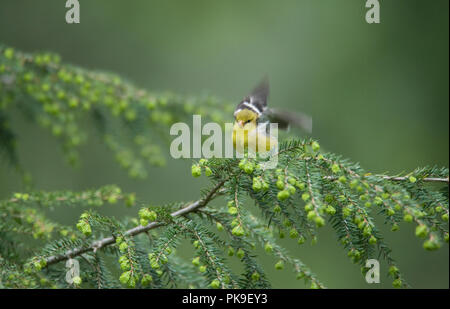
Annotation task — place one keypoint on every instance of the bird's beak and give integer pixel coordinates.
(241, 123)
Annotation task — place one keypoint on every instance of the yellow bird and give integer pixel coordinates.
(252, 119)
(250, 135)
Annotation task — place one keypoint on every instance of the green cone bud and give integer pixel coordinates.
(305, 196)
(301, 240)
(291, 190)
(215, 284)
(311, 215)
(230, 251)
(248, 168)
(279, 265)
(293, 233)
(257, 186)
(408, 218)
(421, 231)
(309, 207)
(431, 245)
(255, 276)
(125, 277)
(146, 280)
(196, 261)
(353, 183)
(397, 283)
(342, 179)
(123, 247)
(240, 253)
(283, 195)
(77, 280)
(335, 168)
(238, 231)
(208, 172)
(300, 275)
(315, 146)
(393, 270)
(319, 221)
(268, 247)
(280, 184)
(196, 170)
(330, 210)
(300, 185)
(232, 210)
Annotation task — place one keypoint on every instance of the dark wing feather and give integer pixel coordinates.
(259, 95)
(285, 119)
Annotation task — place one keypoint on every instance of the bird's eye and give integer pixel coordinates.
(248, 121)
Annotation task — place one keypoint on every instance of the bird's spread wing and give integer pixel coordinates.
(259, 95)
(285, 119)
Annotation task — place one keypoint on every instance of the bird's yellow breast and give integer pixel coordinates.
(249, 138)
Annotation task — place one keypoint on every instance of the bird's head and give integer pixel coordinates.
(245, 116)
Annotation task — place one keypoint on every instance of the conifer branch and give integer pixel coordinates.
(96, 245)
(425, 179)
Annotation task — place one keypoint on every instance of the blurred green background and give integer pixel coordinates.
(378, 94)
